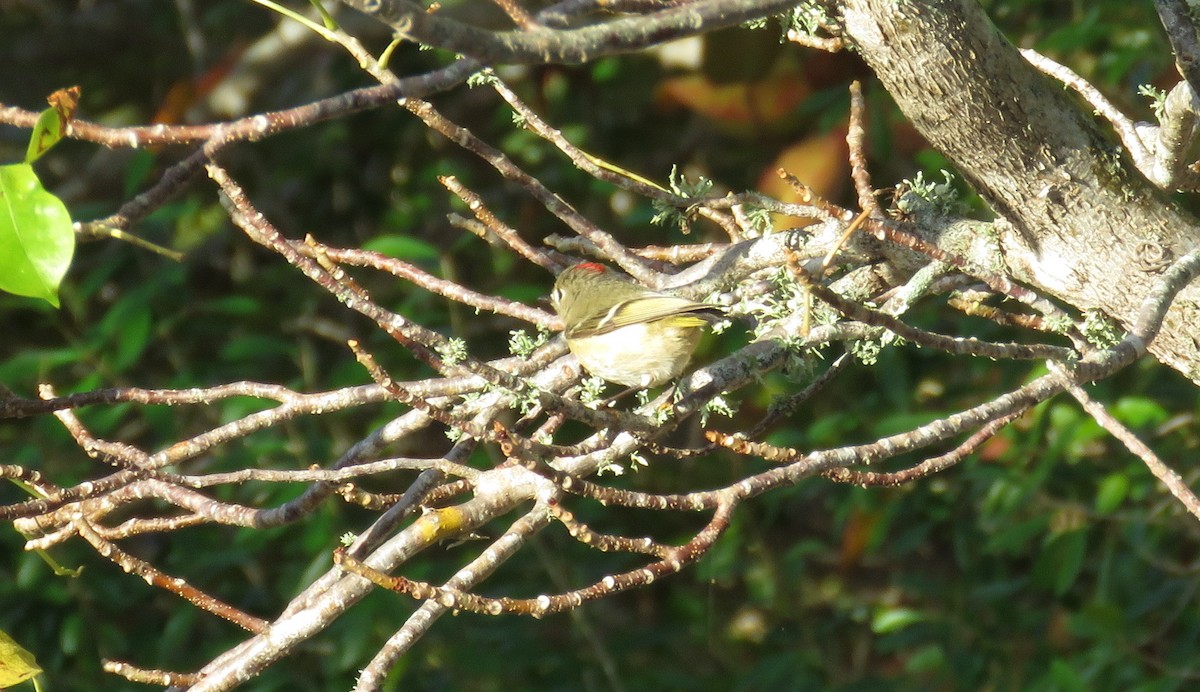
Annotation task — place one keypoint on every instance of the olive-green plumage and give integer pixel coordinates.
(625, 333)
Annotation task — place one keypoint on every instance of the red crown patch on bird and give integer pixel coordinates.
(592, 267)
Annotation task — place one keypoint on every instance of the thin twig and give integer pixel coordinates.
(1161, 471)
(856, 144)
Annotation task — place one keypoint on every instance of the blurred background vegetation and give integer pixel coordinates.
(1051, 560)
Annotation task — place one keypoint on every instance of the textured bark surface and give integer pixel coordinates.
(1078, 221)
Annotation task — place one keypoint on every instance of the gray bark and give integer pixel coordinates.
(1076, 218)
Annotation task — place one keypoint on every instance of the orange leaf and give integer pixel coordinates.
(742, 108)
(855, 538)
(818, 161)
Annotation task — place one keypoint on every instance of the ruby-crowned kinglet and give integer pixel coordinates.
(624, 333)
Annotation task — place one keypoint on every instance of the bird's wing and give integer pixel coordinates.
(647, 309)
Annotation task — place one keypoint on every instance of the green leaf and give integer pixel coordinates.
(137, 170)
(927, 659)
(403, 247)
(253, 347)
(892, 619)
(1061, 560)
(36, 238)
(46, 132)
(51, 124)
(16, 664)
(1113, 490)
(133, 336)
(1064, 677)
(1139, 412)
(1014, 537)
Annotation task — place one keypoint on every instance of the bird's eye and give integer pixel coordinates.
(555, 297)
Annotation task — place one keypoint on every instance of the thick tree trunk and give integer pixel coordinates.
(1077, 219)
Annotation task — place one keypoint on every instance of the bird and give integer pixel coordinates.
(625, 333)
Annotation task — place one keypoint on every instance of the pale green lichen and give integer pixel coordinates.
(453, 351)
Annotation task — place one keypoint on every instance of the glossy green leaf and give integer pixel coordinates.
(892, 619)
(46, 132)
(16, 664)
(51, 125)
(36, 238)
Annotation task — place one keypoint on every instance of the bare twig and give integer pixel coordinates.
(1168, 476)
(1142, 156)
(565, 45)
(856, 142)
(928, 467)
(956, 345)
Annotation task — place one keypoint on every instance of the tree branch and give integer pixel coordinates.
(571, 46)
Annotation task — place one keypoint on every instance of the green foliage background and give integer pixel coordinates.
(1050, 561)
